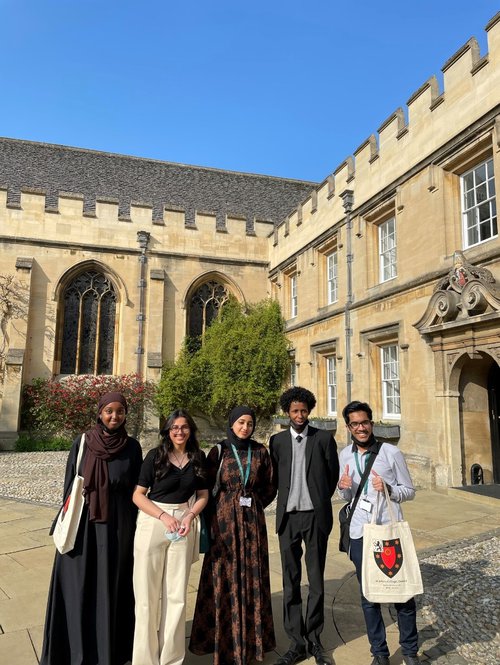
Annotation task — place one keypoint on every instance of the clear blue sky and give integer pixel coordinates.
(287, 88)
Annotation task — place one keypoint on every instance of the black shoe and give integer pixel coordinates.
(320, 655)
(411, 660)
(291, 656)
(380, 660)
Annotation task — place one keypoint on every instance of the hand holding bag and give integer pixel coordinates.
(68, 520)
(390, 568)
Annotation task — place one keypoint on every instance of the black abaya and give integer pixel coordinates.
(90, 609)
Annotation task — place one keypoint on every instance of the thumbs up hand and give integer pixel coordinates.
(345, 481)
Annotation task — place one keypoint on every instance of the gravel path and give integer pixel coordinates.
(459, 615)
(33, 476)
(460, 610)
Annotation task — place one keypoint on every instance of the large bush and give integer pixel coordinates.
(69, 406)
(243, 359)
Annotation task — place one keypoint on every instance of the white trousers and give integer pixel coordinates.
(161, 572)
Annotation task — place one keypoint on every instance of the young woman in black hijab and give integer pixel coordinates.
(233, 616)
(90, 610)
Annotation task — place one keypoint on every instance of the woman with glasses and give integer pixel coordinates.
(170, 494)
(233, 617)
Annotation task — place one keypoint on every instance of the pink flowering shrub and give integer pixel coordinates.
(69, 406)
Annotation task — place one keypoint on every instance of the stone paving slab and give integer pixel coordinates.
(440, 523)
(16, 648)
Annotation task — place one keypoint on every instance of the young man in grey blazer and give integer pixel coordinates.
(305, 472)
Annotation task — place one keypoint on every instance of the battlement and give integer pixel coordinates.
(32, 219)
(431, 118)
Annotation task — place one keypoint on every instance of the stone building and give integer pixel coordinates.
(107, 261)
(388, 272)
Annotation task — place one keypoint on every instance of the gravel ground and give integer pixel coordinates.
(33, 476)
(460, 610)
(459, 613)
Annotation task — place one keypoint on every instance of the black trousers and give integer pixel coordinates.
(301, 528)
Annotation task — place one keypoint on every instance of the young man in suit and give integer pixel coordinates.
(305, 472)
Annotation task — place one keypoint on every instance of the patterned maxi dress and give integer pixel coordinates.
(233, 615)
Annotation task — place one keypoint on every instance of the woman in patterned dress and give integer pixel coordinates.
(233, 615)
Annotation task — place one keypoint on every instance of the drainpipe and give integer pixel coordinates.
(347, 197)
(143, 240)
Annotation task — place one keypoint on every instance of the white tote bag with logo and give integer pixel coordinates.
(68, 520)
(390, 569)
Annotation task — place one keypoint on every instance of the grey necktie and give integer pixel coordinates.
(299, 438)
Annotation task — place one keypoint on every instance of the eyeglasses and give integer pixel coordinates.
(363, 423)
(182, 428)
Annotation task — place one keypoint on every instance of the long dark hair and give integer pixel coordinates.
(162, 462)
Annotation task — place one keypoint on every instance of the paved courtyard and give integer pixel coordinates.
(457, 537)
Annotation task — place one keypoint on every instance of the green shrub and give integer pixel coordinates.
(243, 359)
(27, 443)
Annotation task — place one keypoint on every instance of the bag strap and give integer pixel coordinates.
(389, 505)
(80, 453)
(216, 486)
(364, 477)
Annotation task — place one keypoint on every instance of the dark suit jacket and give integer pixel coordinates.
(322, 473)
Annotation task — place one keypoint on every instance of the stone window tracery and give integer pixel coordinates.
(88, 330)
(205, 305)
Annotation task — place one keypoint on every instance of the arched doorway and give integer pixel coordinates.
(494, 411)
(478, 406)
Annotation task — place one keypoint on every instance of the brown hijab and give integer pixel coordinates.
(102, 445)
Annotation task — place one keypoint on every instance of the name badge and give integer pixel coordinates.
(246, 501)
(364, 504)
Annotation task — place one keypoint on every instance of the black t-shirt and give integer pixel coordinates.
(177, 486)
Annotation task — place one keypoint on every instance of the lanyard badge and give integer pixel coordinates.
(245, 501)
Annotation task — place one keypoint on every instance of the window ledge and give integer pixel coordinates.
(329, 424)
(382, 431)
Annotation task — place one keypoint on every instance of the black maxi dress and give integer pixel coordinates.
(90, 609)
(233, 617)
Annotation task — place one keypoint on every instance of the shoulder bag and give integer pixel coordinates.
(68, 519)
(205, 515)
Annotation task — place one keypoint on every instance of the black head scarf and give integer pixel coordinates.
(236, 413)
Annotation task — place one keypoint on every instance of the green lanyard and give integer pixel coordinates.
(358, 467)
(246, 475)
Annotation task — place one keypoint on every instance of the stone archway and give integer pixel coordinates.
(494, 412)
(474, 416)
(460, 325)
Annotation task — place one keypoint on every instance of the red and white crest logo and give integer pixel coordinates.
(388, 556)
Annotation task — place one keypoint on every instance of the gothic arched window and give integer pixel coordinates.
(88, 331)
(205, 305)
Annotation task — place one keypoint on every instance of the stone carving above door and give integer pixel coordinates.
(466, 293)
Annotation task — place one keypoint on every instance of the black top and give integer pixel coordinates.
(177, 486)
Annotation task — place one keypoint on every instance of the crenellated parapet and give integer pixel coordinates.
(411, 136)
(32, 216)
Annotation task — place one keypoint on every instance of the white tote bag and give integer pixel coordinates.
(390, 569)
(68, 520)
